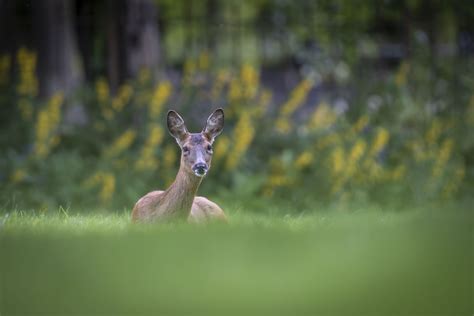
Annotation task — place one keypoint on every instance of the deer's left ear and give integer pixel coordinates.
(215, 124)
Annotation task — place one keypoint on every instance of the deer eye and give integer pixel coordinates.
(209, 148)
(185, 150)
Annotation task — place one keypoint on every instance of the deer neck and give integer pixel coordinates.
(180, 195)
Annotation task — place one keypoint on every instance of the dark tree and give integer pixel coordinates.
(132, 39)
(59, 62)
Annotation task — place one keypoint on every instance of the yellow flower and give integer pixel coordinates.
(322, 118)
(443, 157)
(144, 75)
(372, 171)
(243, 135)
(120, 144)
(338, 185)
(419, 151)
(357, 150)
(28, 83)
(107, 182)
(222, 78)
(189, 71)
(283, 124)
(160, 96)
(235, 90)
(381, 139)
(169, 156)
(18, 175)
(221, 149)
(47, 123)
(433, 132)
(328, 140)
(122, 98)
(453, 185)
(263, 102)
(399, 172)
(5, 62)
(297, 97)
(278, 180)
(360, 124)
(108, 188)
(304, 160)
(401, 75)
(338, 160)
(102, 90)
(203, 60)
(249, 77)
(355, 155)
(147, 159)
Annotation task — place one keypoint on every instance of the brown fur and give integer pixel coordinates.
(179, 201)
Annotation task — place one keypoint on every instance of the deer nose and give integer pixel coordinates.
(200, 169)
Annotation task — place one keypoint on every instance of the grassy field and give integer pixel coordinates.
(367, 261)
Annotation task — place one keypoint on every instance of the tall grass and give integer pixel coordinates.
(360, 262)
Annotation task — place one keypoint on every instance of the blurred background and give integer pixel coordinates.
(327, 102)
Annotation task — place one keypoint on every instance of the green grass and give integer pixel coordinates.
(359, 262)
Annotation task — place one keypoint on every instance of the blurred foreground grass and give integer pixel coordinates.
(359, 262)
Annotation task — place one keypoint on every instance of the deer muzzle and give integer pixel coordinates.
(200, 169)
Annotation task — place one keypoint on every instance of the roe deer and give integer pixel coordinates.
(180, 200)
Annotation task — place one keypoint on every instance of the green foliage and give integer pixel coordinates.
(397, 142)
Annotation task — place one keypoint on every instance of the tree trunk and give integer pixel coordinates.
(133, 40)
(7, 27)
(141, 40)
(59, 64)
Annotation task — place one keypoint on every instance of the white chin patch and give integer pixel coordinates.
(200, 174)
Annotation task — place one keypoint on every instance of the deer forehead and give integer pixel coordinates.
(196, 139)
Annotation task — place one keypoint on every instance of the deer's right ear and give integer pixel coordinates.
(176, 126)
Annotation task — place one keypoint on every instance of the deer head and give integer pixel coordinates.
(196, 148)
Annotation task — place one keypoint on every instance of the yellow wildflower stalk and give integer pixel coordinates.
(235, 90)
(453, 185)
(18, 175)
(381, 139)
(221, 149)
(434, 132)
(250, 79)
(222, 78)
(122, 98)
(5, 63)
(203, 61)
(189, 71)
(443, 157)
(106, 180)
(28, 83)
(46, 125)
(102, 90)
(323, 117)
(160, 96)
(242, 137)
(304, 160)
(402, 73)
(263, 102)
(360, 124)
(297, 97)
(338, 161)
(170, 157)
(122, 143)
(147, 159)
